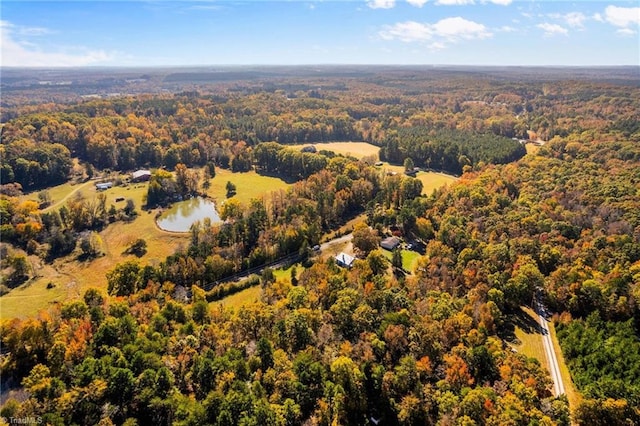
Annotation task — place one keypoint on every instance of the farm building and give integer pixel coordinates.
(344, 260)
(390, 243)
(141, 175)
(104, 186)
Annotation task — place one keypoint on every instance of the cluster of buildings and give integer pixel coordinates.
(137, 176)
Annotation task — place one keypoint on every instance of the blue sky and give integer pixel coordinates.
(224, 32)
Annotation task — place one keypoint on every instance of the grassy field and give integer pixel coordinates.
(30, 299)
(409, 258)
(285, 273)
(434, 180)
(246, 296)
(528, 334)
(430, 180)
(249, 185)
(60, 193)
(354, 149)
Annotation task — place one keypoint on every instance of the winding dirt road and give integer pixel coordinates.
(66, 197)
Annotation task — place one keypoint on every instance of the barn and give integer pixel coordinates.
(141, 176)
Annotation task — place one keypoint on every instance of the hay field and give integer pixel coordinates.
(354, 149)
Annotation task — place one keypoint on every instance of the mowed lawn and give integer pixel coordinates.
(434, 180)
(409, 258)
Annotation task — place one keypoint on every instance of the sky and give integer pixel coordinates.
(295, 32)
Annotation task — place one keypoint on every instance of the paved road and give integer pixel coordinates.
(554, 368)
(343, 239)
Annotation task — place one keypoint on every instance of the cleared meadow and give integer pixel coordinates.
(353, 149)
(249, 185)
(434, 180)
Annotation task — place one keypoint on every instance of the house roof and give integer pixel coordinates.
(390, 243)
(345, 259)
(104, 185)
(139, 173)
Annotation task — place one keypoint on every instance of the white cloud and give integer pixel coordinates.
(417, 3)
(575, 19)
(507, 29)
(572, 19)
(466, 2)
(440, 34)
(381, 4)
(31, 31)
(454, 2)
(21, 53)
(598, 17)
(453, 28)
(623, 17)
(408, 32)
(435, 46)
(552, 29)
(626, 32)
(501, 2)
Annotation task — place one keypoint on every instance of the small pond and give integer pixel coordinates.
(183, 214)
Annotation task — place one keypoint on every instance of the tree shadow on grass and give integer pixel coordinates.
(524, 321)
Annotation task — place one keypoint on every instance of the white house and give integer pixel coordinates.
(345, 260)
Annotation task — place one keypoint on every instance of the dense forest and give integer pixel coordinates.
(370, 344)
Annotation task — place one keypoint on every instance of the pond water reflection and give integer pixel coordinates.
(183, 214)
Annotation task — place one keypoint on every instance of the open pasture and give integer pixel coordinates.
(353, 149)
(249, 185)
(434, 180)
